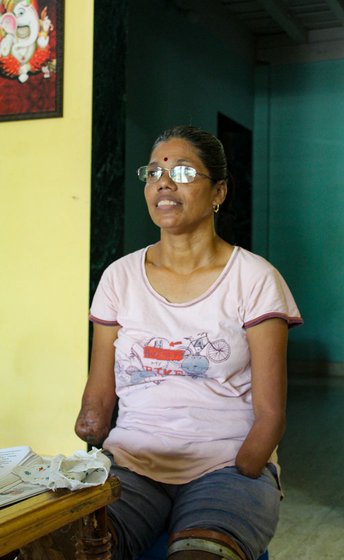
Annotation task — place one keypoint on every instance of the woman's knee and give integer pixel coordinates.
(194, 555)
(205, 544)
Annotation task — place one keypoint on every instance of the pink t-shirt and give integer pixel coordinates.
(183, 369)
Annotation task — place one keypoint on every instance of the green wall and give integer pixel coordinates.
(177, 73)
(299, 195)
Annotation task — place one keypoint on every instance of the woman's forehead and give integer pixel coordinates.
(176, 149)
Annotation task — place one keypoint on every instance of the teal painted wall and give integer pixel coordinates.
(299, 195)
(177, 73)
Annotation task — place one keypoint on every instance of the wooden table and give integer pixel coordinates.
(38, 526)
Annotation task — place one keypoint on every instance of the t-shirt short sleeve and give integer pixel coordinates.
(269, 297)
(104, 306)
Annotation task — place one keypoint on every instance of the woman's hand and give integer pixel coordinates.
(268, 348)
(94, 420)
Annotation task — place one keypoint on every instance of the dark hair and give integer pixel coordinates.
(209, 148)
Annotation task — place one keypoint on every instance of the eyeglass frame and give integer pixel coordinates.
(162, 169)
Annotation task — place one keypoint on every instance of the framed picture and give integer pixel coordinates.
(31, 59)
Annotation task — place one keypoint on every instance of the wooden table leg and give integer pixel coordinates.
(87, 539)
(94, 539)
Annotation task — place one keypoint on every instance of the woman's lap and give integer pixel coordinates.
(224, 501)
(140, 514)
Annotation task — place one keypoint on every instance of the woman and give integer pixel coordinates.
(200, 332)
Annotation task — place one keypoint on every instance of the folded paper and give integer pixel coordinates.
(80, 470)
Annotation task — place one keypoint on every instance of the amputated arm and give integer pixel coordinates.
(268, 348)
(99, 397)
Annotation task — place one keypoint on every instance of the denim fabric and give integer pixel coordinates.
(244, 508)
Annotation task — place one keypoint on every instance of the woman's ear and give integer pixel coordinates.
(221, 191)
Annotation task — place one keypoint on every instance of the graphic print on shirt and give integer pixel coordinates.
(157, 358)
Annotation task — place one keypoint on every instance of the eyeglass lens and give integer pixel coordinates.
(178, 174)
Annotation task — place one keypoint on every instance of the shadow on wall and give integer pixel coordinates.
(309, 358)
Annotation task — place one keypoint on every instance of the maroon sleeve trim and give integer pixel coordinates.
(102, 322)
(292, 321)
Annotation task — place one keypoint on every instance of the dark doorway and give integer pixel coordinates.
(108, 136)
(234, 222)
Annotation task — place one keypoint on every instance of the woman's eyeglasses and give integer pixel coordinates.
(178, 174)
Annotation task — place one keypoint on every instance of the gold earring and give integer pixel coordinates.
(216, 208)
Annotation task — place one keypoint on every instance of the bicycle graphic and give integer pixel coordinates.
(217, 351)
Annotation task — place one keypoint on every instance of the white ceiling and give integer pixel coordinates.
(275, 30)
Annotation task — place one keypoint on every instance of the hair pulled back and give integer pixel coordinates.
(209, 148)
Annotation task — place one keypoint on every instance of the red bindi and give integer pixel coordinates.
(165, 158)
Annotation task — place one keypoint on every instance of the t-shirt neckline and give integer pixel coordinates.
(201, 297)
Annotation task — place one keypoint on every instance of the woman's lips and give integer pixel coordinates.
(166, 202)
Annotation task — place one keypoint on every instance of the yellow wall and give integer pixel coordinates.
(44, 257)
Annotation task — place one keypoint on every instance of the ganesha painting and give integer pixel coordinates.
(31, 59)
(24, 39)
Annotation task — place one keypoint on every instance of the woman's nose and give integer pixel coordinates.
(165, 181)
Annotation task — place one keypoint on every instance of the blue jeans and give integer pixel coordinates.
(244, 508)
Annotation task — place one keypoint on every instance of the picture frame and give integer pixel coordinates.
(31, 59)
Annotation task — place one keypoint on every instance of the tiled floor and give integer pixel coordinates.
(312, 457)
